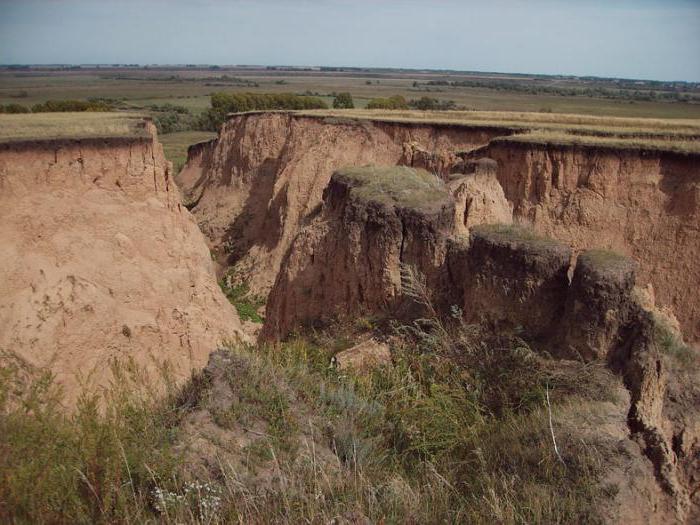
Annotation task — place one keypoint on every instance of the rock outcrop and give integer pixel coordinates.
(100, 261)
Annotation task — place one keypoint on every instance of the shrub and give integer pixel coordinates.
(395, 102)
(343, 101)
(432, 104)
(224, 103)
(53, 106)
(13, 108)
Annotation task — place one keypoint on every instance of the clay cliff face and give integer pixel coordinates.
(644, 205)
(348, 259)
(100, 261)
(258, 183)
(266, 174)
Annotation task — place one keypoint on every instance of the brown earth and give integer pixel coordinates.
(100, 260)
(265, 175)
(642, 204)
(257, 185)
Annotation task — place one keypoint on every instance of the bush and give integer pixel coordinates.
(343, 101)
(14, 108)
(54, 106)
(224, 103)
(395, 102)
(432, 104)
(169, 118)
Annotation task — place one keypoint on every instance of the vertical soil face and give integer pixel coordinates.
(348, 259)
(261, 181)
(101, 261)
(265, 176)
(645, 205)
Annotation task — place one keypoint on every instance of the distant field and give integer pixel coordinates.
(48, 126)
(175, 145)
(192, 88)
(540, 117)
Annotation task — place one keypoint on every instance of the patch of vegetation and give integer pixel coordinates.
(238, 293)
(64, 106)
(343, 101)
(514, 232)
(672, 345)
(99, 464)
(224, 103)
(605, 260)
(51, 126)
(395, 102)
(395, 185)
(14, 108)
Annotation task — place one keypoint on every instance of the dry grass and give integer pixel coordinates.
(396, 185)
(54, 126)
(677, 135)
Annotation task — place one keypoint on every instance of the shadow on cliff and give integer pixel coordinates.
(259, 222)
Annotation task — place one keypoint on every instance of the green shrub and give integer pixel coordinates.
(395, 102)
(343, 101)
(52, 106)
(13, 108)
(224, 103)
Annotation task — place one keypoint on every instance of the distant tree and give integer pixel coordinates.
(13, 108)
(395, 102)
(224, 103)
(343, 101)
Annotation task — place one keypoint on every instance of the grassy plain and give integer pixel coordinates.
(48, 126)
(680, 135)
(541, 118)
(175, 145)
(192, 87)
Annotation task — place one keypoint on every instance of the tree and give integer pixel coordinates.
(343, 101)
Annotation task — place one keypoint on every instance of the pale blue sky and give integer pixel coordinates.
(650, 39)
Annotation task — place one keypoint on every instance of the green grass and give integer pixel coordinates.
(175, 145)
(51, 126)
(455, 430)
(98, 464)
(605, 259)
(150, 87)
(238, 293)
(396, 186)
(672, 345)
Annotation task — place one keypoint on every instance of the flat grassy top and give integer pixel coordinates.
(514, 233)
(56, 126)
(175, 145)
(682, 135)
(395, 186)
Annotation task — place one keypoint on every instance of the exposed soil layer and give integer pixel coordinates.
(100, 260)
(256, 186)
(264, 177)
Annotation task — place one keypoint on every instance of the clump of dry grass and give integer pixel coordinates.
(395, 185)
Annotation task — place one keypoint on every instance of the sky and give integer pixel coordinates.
(645, 39)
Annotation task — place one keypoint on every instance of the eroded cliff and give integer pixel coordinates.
(254, 188)
(100, 260)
